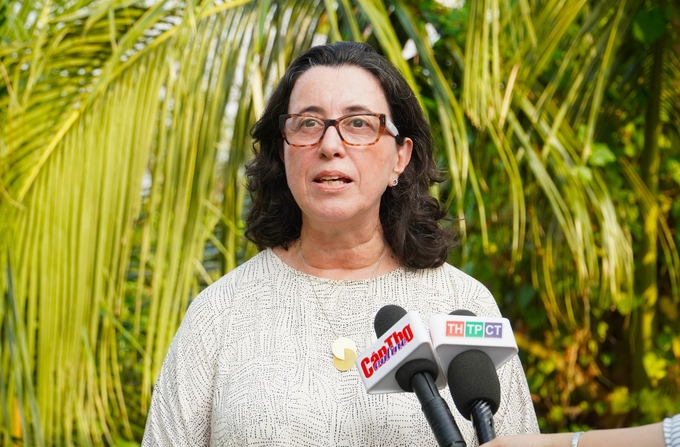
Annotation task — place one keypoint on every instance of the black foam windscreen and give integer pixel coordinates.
(409, 369)
(472, 376)
(465, 312)
(386, 317)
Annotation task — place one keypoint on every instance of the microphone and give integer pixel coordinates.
(476, 391)
(402, 359)
(471, 373)
(461, 331)
(402, 337)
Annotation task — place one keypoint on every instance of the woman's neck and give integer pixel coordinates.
(343, 255)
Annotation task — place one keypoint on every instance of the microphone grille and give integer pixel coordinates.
(464, 312)
(472, 376)
(386, 317)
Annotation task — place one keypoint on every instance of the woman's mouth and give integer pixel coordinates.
(332, 180)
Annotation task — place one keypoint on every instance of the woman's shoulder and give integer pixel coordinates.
(453, 276)
(247, 277)
(468, 292)
(458, 275)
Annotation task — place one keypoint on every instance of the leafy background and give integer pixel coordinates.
(124, 134)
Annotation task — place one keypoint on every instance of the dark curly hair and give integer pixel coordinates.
(408, 213)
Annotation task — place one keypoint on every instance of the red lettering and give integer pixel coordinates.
(408, 333)
(368, 371)
(394, 342)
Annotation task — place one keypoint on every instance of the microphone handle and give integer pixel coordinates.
(482, 419)
(436, 411)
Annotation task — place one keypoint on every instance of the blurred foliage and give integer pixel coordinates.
(124, 134)
(580, 372)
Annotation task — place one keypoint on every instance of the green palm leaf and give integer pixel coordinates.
(126, 129)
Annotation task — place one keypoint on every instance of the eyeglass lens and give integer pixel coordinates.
(355, 129)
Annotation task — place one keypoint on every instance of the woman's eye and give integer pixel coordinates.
(357, 123)
(309, 123)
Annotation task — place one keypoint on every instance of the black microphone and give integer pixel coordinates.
(419, 376)
(475, 388)
(465, 312)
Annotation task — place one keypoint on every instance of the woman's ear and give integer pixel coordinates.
(403, 156)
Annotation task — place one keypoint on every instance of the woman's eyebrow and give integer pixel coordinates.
(346, 111)
(311, 109)
(357, 109)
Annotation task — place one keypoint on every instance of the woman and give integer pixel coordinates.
(661, 434)
(341, 206)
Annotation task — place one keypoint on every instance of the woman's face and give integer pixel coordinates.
(334, 183)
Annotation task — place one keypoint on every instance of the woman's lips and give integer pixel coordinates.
(332, 180)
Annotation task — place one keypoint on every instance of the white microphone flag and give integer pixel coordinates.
(453, 334)
(406, 340)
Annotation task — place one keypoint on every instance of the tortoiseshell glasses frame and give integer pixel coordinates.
(361, 129)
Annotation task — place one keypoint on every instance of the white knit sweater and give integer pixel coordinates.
(251, 362)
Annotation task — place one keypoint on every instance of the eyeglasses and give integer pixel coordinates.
(356, 129)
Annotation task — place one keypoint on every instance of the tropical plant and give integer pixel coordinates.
(575, 89)
(125, 131)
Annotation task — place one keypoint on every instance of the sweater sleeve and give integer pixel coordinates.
(516, 412)
(181, 405)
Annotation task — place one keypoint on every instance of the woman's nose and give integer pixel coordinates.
(331, 145)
